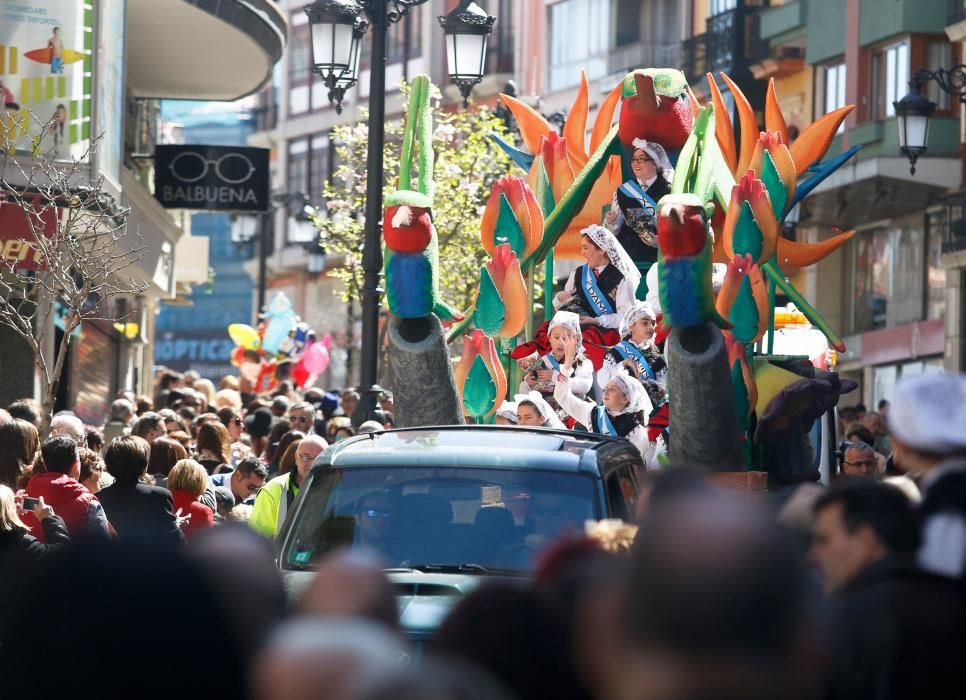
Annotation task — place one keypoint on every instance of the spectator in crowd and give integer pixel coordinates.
(122, 415)
(135, 509)
(895, 631)
(350, 583)
(17, 545)
(144, 404)
(69, 425)
(183, 438)
(326, 659)
(287, 463)
(713, 605)
(858, 459)
(877, 426)
(279, 406)
(272, 452)
(26, 409)
(91, 469)
(19, 445)
(206, 388)
(349, 401)
(150, 426)
(245, 481)
(58, 485)
(93, 438)
(165, 453)
(274, 500)
(187, 481)
(301, 416)
(929, 441)
(214, 447)
(336, 425)
(232, 420)
(258, 424)
(884, 409)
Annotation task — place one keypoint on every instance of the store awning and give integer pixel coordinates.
(151, 229)
(202, 49)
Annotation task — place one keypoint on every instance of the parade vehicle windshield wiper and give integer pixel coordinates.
(462, 569)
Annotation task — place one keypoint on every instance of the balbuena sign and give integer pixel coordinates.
(211, 177)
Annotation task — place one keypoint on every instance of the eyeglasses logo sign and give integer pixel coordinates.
(227, 178)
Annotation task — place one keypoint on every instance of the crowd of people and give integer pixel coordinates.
(151, 537)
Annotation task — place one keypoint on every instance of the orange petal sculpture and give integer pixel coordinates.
(480, 378)
(750, 226)
(512, 216)
(501, 305)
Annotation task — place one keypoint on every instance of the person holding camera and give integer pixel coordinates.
(16, 542)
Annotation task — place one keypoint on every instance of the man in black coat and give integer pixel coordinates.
(136, 510)
(895, 631)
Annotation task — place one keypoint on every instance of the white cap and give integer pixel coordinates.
(928, 413)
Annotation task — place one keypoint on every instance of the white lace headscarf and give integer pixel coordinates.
(508, 410)
(656, 152)
(637, 399)
(638, 310)
(550, 418)
(607, 242)
(568, 319)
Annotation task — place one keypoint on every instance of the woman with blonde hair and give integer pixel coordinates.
(187, 480)
(16, 542)
(206, 389)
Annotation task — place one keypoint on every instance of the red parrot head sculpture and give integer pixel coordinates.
(656, 108)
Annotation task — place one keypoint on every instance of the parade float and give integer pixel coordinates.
(734, 405)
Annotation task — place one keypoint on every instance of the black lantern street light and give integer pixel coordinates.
(914, 110)
(337, 28)
(467, 30)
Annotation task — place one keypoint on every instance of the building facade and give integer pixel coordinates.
(117, 59)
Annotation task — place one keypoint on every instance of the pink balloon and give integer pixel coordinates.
(316, 358)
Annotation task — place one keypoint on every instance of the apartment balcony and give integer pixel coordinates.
(202, 49)
(782, 20)
(643, 54)
(731, 44)
(954, 231)
(956, 20)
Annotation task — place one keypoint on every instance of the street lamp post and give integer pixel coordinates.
(914, 110)
(337, 30)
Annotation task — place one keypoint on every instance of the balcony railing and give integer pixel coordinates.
(732, 42)
(957, 11)
(954, 232)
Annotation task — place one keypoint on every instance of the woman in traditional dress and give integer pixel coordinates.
(533, 411)
(598, 291)
(633, 213)
(542, 375)
(622, 413)
(506, 414)
(637, 352)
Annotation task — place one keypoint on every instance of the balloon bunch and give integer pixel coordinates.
(281, 347)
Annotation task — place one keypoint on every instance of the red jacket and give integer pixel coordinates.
(79, 508)
(202, 517)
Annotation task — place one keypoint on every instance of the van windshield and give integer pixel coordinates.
(440, 519)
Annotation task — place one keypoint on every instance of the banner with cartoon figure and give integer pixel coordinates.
(46, 71)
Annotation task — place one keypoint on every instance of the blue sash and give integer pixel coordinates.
(629, 351)
(633, 189)
(598, 300)
(604, 424)
(552, 361)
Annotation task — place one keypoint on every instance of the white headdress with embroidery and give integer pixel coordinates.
(637, 399)
(535, 398)
(607, 242)
(508, 410)
(568, 319)
(637, 310)
(656, 152)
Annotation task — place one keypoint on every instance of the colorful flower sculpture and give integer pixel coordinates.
(480, 379)
(501, 305)
(512, 216)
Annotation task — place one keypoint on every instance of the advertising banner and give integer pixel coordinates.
(226, 178)
(46, 63)
(17, 229)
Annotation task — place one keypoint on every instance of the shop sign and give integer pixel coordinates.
(224, 178)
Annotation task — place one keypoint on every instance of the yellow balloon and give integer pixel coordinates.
(244, 335)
